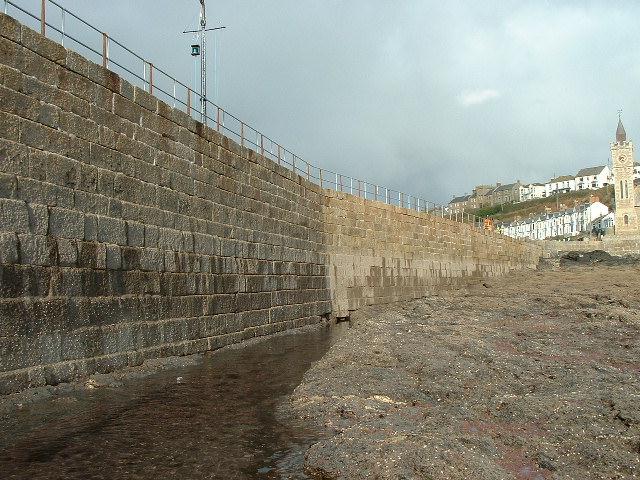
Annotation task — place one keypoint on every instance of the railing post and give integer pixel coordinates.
(189, 101)
(351, 185)
(43, 17)
(376, 193)
(359, 188)
(61, 27)
(151, 78)
(262, 145)
(279, 158)
(174, 93)
(341, 183)
(218, 115)
(293, 162)
(386, 195)
(241, 134)
(364, 191)
(105, 50)
(308, 172)
(320, 175)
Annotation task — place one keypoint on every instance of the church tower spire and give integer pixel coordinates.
(621, 135)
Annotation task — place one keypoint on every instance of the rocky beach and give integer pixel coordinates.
(532, 376)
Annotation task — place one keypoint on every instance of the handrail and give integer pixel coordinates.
(224, 121)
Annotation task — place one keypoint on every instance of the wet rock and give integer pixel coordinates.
(533, 378)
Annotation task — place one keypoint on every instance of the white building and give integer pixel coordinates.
(531, 191)
(561, 184)
(566, 223)
(593, 178)
(606, 222)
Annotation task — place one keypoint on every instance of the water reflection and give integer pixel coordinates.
(216, 421)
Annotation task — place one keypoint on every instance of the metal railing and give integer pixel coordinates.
(117, 57)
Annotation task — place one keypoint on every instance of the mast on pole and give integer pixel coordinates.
(201, 51)
(203, 61)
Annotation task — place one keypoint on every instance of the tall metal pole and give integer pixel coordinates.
(201, 51)
(203, 61)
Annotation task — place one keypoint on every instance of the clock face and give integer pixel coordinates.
(623, 160)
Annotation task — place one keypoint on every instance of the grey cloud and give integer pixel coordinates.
(374, 88)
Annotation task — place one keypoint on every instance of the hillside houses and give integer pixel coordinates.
(566, 223)
(487, 195)
(591, 178)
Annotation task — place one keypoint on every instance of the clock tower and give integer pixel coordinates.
(622, 158)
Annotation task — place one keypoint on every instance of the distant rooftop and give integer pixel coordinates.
(503, 188)
(460, 199)
(561, 178)
(590, 171)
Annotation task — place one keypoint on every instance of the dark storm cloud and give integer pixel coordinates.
(425, 96)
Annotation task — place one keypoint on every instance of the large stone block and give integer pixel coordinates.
(44, 138)
(76, 84)
(151, 259)
(78, 126)
(28, 107)
(125, 108)
(44, 47)
(112, 230)
(11, 53)
(67, 252)
(135, 234)
(253, 301)
(9, 130)
(145, 99)
(10, 28)
(66, 223)
(14, 216)
(77, 63)
(112, 122)
(33, 191)
(105, 77)
(37, 250)
(39, 67)
(8, 248)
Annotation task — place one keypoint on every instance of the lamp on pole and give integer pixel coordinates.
(202, 53)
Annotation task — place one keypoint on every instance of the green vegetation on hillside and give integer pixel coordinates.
(510, 211)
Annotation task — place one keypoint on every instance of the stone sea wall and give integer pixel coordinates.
(381, 253)
(130, 231)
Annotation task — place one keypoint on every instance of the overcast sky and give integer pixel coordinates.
(429, 97)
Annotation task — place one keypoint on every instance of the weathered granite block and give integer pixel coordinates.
(66, 223)
(112, 230)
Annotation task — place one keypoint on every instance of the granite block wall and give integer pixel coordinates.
(130, 231)
(381, 253)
